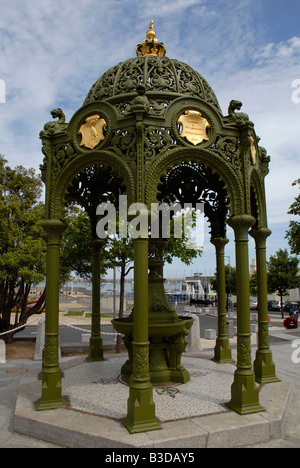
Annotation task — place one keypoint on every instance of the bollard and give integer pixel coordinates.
(2, 352)
(85, 337)
(40, 341)
(230, 328)
(194, 342)
(210, 334)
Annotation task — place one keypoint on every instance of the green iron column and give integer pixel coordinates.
(51, 374)
(96, 343)
(264, 366)
(244, 392)
(141, 409)
(222, 348)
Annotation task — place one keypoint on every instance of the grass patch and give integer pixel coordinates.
(74, 313)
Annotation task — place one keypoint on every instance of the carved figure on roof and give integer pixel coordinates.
(141, 102)
(57, 127)
(239, 118)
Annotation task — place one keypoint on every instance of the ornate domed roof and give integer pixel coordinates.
(159, 74)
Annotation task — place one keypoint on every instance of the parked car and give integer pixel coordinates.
(276, 305)
(294, 310)
(270, 305)
(253, 305)
(200, 302)
(291, 305)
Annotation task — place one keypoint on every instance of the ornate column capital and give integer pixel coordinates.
(97, 244)
(260, 235)
(241, 225)
(53, 229)
(219, 243)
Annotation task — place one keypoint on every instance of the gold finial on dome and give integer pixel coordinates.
(151, 34)
(151, 46)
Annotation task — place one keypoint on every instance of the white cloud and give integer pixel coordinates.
(266, 92)
(281, 50)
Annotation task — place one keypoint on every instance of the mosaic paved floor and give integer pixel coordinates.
(97, 388)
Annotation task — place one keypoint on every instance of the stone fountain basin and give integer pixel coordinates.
(125, 327)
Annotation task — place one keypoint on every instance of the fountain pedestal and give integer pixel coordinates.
(167, 332)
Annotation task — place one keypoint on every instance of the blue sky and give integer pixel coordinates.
(52, 51)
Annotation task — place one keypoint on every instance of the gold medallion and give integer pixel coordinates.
(194, 126)
(92, 131)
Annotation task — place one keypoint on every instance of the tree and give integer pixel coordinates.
(120, 254)
(253, 284)
(76, 252)
(282, 274)
(230, 281)
(293, 234)
(22, 249)
(182, 247)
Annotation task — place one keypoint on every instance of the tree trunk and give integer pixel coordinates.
(39, 306)
(281, 307)
(18, 300)
(7, 303)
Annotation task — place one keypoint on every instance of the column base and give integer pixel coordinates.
(222, 351)
(96, 350)
(141, 411)
(245, 395)
(51, 392)
(137, 427)
(48, 405)
(264, 368)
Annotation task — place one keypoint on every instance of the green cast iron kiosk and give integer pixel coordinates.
(151, 128)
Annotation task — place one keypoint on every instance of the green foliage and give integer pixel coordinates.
(76, 252)
(253, 284)
(22, 249)
(293, 234)
(282, 273)
(118, 252)
(230, 280)
(180, 247)
(74, 313)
